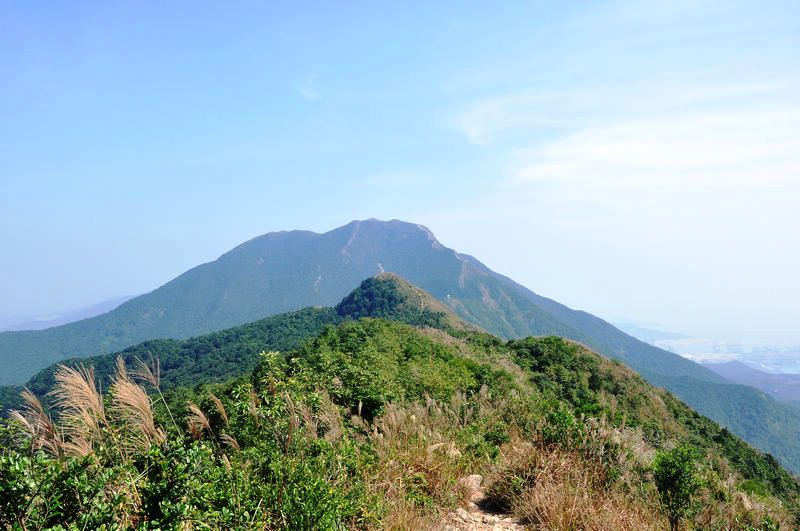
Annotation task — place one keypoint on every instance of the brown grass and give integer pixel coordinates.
(725, 507)
(565, 492)
(133, 409)
(82, 413)
(220, 408)
(129, 424)
(38, 426)
(419, 462)
(148, 373)
(197, 421)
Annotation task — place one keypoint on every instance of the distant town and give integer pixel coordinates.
(764, 357)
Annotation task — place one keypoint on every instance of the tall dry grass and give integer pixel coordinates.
(82, 414)
(84, 422)
(197, 421)
(133, 412)
(112, 429)
(37, 425)
(419, 460)
(562, 490)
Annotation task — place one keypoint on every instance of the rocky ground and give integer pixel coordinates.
(477, 516)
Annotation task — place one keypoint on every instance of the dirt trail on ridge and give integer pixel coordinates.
(478, 516)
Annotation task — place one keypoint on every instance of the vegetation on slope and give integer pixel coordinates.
(748, 413)
(221, 356)
(370, 425)
(387, 296)
(211, 358)
(286, 271)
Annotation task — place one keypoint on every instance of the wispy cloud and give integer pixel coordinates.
(650, 133)
(727, 147)
(307, 89)
(491, 119)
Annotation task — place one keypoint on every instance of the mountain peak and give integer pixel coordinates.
(392, 224)
(389, 296)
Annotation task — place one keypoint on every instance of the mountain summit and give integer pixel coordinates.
(284, 271)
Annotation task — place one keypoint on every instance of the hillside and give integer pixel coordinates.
(377, 424)
(784, 387)
(230, 353)
(287, 271)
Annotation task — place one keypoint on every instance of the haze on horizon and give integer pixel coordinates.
(635, 160)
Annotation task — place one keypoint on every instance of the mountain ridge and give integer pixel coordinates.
(784, 387)
(285, 271)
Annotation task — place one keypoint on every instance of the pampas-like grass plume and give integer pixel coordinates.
(38, 425)
(148, 373)
(134, 410)
(82, 414)
(230, 441)
(220, 408)
(197, 421)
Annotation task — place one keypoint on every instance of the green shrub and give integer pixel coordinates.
(561, 428)
(676, 480)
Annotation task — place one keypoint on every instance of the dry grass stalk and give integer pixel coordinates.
(38, 425)
(148, 373)
(403, 515)
(294, 423)
(82, 413)
(230, 441)
(416, 456)
(566, 492)
(310, 420)
(220, 408)
(197, 421)
(738, 510)
(133, 408)
(330, 420)
(252, 406)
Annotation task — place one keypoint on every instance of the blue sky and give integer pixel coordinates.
(634, 159)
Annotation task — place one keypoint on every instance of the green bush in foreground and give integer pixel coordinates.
(677, 483)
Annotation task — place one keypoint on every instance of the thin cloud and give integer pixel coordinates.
(751, 146)
(489, 120)
(307, 90)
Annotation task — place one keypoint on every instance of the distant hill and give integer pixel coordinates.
(286, 271)
(783, 387)
(646, 333)
(49, 321)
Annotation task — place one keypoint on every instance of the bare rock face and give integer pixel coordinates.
(476, 517)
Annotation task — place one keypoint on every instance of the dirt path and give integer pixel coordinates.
(477, 516)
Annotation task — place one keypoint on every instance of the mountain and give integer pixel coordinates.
(49, 321)
(368, 423)
(783, 387)
(285, 271)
